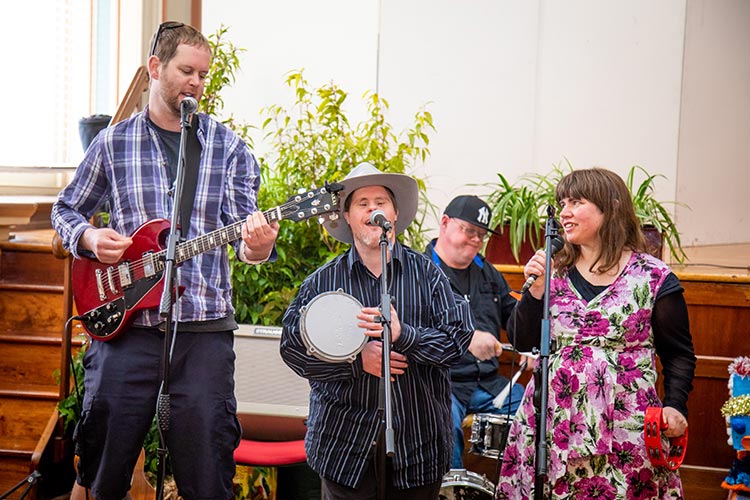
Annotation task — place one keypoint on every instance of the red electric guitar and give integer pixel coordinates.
(107, 295)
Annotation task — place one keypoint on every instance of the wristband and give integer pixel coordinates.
(653, 424)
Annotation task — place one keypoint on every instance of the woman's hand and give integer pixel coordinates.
(536, 266)
(675, 422)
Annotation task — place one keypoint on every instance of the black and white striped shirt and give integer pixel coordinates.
(436, 329)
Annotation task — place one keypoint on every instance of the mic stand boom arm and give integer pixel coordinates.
(542, 375)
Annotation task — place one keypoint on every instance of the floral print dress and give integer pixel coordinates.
(602, 378)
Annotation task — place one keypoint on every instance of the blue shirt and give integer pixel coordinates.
(436, 329)
(126, 165)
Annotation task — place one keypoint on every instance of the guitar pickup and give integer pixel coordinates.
(149, 266)
(125, 278)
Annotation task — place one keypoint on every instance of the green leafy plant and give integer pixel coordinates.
(521, 208)
(70, 407)
(652, 212)
(225, 65)
(313, 142)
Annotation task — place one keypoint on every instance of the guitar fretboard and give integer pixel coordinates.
(220, 237)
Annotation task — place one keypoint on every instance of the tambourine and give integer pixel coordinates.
(328, 324)
(653, 424)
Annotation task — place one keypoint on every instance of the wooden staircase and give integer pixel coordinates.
(35, 303)
(34, 306)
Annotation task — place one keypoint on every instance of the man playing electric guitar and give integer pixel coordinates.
(131, 166)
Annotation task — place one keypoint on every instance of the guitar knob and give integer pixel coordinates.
(98, 326)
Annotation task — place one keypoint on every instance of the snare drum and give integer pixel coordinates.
(461, 484)
(489, 432)
(328, 324)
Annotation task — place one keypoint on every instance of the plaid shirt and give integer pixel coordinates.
(436, 329)
(126, 166)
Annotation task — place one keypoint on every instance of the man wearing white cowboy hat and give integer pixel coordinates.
(430, 329)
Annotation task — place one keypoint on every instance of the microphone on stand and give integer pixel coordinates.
(557, 244)
(377, 218)
(188, 106)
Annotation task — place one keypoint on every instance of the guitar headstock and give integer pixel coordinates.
(322, 202)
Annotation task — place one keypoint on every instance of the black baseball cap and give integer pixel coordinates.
(471, 209)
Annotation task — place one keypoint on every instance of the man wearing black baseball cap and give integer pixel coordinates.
(475, 381)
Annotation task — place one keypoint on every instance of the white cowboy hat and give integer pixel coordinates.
(404, 189)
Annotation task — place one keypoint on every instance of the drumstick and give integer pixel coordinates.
(500, 398)
(508, 348)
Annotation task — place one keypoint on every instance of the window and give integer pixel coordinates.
(48, 84)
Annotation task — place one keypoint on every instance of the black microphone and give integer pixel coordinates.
(377, 218)
(188, 106)
(557, 244)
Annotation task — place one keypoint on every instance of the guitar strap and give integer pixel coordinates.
(190, 182)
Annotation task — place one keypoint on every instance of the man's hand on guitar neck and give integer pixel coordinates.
(107, 244)
(258, 238)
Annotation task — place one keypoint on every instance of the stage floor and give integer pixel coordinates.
(721, 260)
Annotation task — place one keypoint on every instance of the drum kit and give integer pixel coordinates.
(489, 433)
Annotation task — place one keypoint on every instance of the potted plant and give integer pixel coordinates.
(653, 214)
(520, 209)
(518, 214)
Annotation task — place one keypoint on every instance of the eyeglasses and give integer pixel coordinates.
(470, 231)
(169, 25)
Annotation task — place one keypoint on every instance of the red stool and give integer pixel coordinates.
(270, 453)
(285, 462)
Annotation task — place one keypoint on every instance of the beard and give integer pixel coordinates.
(366, 237)
(169, 95)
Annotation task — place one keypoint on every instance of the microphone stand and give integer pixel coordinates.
(163, 405)
(30, 480)
(386, 408)
(541, 376)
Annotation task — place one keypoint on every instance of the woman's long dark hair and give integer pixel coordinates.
(621, 229)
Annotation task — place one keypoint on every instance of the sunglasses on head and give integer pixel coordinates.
(169, 25)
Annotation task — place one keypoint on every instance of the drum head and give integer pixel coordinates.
(461, 484)
(329, 327)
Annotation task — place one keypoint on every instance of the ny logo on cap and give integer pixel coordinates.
(484, 216)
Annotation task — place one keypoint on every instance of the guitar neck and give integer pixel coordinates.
(220, 237)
